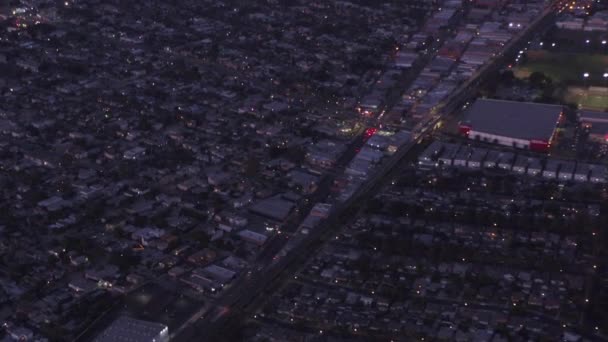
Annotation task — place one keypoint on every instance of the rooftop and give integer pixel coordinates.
(521, 120)
(592, 115)
(127, 329)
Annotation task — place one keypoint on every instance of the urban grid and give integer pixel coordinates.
(303, 170)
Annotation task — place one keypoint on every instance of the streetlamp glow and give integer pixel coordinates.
(586, 75)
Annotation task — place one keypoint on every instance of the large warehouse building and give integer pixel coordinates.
(127, 329)
(523, 125)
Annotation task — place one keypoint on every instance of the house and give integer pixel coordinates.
(203, 257)
(134, 153)
(449, 152)
(492, 159)
(428, 158)
(144, 235)
(176, 271)
(378, 142)
(598, 173)
(476, 158)
(82, 285)
(520, 165)
(219, 273)
(303, 180)
(551, 168)
(461, 157)
(506, 160)
(19, 333)
(566, 171)
(78, 260)
(405, 59)
(253, 237)
(534, 166)
(582, 172)
(199, 282)
(53, 203)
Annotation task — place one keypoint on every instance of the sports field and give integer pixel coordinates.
(596, 100)
(565, 67)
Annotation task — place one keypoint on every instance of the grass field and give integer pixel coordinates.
(587, 100)
(565, 67)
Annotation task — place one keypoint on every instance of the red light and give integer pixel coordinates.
(465, 130)
(369, 133)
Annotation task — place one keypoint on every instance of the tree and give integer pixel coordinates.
(507, 77)
(538, 79)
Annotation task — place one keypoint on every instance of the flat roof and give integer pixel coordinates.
(520, 120)
(583, 168)
(127, 329)
(450, 150)
(552, 165)
(567, 166)
(599, 128)
(477, 153)
(274, 207)
(506, 157)
(592, 114)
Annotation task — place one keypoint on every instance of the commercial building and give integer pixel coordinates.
(275, 208)
(597, 124)
(518, 124)
(127, 329)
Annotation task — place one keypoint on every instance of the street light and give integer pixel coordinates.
(586, 75)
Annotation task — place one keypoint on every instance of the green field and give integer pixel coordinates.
(585, 99)
(565, 67)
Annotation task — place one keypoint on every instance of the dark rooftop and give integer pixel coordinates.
(520, 120)
(593, 115)
(128, 329)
